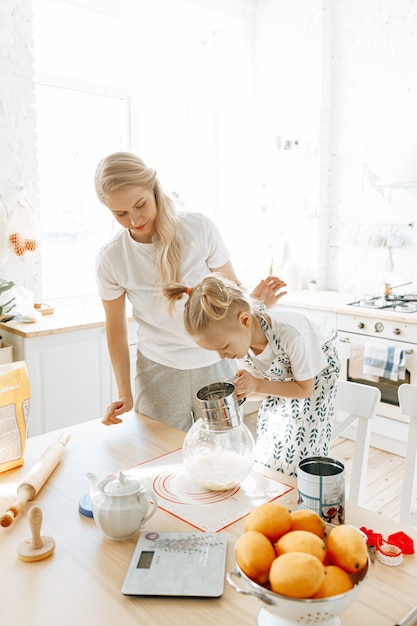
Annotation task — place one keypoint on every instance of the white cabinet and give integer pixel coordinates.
(70, 376)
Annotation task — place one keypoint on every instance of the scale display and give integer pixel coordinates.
(177, 564)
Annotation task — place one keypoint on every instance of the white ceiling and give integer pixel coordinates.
(209, 14)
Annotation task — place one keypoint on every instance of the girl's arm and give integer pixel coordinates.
(246, 384)
(118, 346)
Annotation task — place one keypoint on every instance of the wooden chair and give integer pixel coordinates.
(407, 395)
(356, 402)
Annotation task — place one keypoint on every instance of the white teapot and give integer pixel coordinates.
(121, 505)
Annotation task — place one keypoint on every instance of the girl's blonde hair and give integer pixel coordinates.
(215, 299)
(123, 169)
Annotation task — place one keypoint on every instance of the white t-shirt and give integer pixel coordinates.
(301, 341)
(124, 265)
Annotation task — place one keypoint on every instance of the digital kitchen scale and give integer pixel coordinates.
(177, 564)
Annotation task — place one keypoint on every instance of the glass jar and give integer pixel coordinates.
(218, 450)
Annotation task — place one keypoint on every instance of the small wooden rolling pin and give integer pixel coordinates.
(36, 478)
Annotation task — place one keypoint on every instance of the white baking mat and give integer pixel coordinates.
(209, 511)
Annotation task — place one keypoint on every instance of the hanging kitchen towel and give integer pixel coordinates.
(387, 361)
(357, 351)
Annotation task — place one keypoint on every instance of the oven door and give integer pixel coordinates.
(389, 405)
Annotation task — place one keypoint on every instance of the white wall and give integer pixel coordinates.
(18, 162)
(374, 138)
(292, 70)
(339, 76)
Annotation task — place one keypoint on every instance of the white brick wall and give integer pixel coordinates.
(18, 160)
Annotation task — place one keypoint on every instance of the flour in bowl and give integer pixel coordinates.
(218, 470)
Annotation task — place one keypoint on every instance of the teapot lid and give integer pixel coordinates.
(120, 486)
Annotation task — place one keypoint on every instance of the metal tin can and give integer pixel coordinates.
(321, 487)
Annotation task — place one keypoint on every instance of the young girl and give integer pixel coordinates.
(286, 359)
(156, 244)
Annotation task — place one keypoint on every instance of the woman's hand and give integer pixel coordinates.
(123, 405)
(267, 291)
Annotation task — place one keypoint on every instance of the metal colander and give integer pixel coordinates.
(279, 610)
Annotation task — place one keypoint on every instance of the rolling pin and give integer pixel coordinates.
(36, 478)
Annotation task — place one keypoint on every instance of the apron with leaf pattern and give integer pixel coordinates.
(289, 429)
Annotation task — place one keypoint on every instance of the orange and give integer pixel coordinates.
(306, 519)
(301, 541)
(254, 555)
(296, 574)
(336, 581)
(272, 519)
(347, 548)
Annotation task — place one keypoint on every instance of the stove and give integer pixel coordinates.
(406, 303)
(359, 331)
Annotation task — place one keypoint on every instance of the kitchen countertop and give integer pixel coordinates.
(68, 318)
(80, 583)
(335, 301)
(338, 302)
(65, 318)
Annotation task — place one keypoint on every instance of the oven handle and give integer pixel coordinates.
(347, 340)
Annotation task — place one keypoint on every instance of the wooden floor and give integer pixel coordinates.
(384, 479)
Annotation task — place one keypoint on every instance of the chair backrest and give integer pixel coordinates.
(407, 396)
(358, 402)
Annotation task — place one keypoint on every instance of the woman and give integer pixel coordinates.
(157, 245)
(286, 359)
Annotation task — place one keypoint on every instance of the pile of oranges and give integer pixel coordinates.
(292, 554)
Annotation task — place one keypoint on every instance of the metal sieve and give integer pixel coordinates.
(219, 407)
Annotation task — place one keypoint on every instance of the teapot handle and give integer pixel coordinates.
(152, 500)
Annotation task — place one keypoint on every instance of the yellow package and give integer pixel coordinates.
(14, 413)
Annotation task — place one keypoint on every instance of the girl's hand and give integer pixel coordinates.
(123, 405)
(267, 290)
(245, 384)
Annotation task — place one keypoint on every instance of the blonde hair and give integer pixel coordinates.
(123, 169)
(215, 299)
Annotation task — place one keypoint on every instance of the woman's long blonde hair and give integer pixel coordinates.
(123, 169)
(215, 299)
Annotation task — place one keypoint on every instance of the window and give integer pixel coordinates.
(75, 130)
(105, 84)
(177, 95)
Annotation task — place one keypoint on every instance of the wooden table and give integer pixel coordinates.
(80, 584)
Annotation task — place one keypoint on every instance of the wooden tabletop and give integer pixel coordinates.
(80, 583)
(63, 319)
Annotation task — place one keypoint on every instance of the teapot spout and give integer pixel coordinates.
(93, 484)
